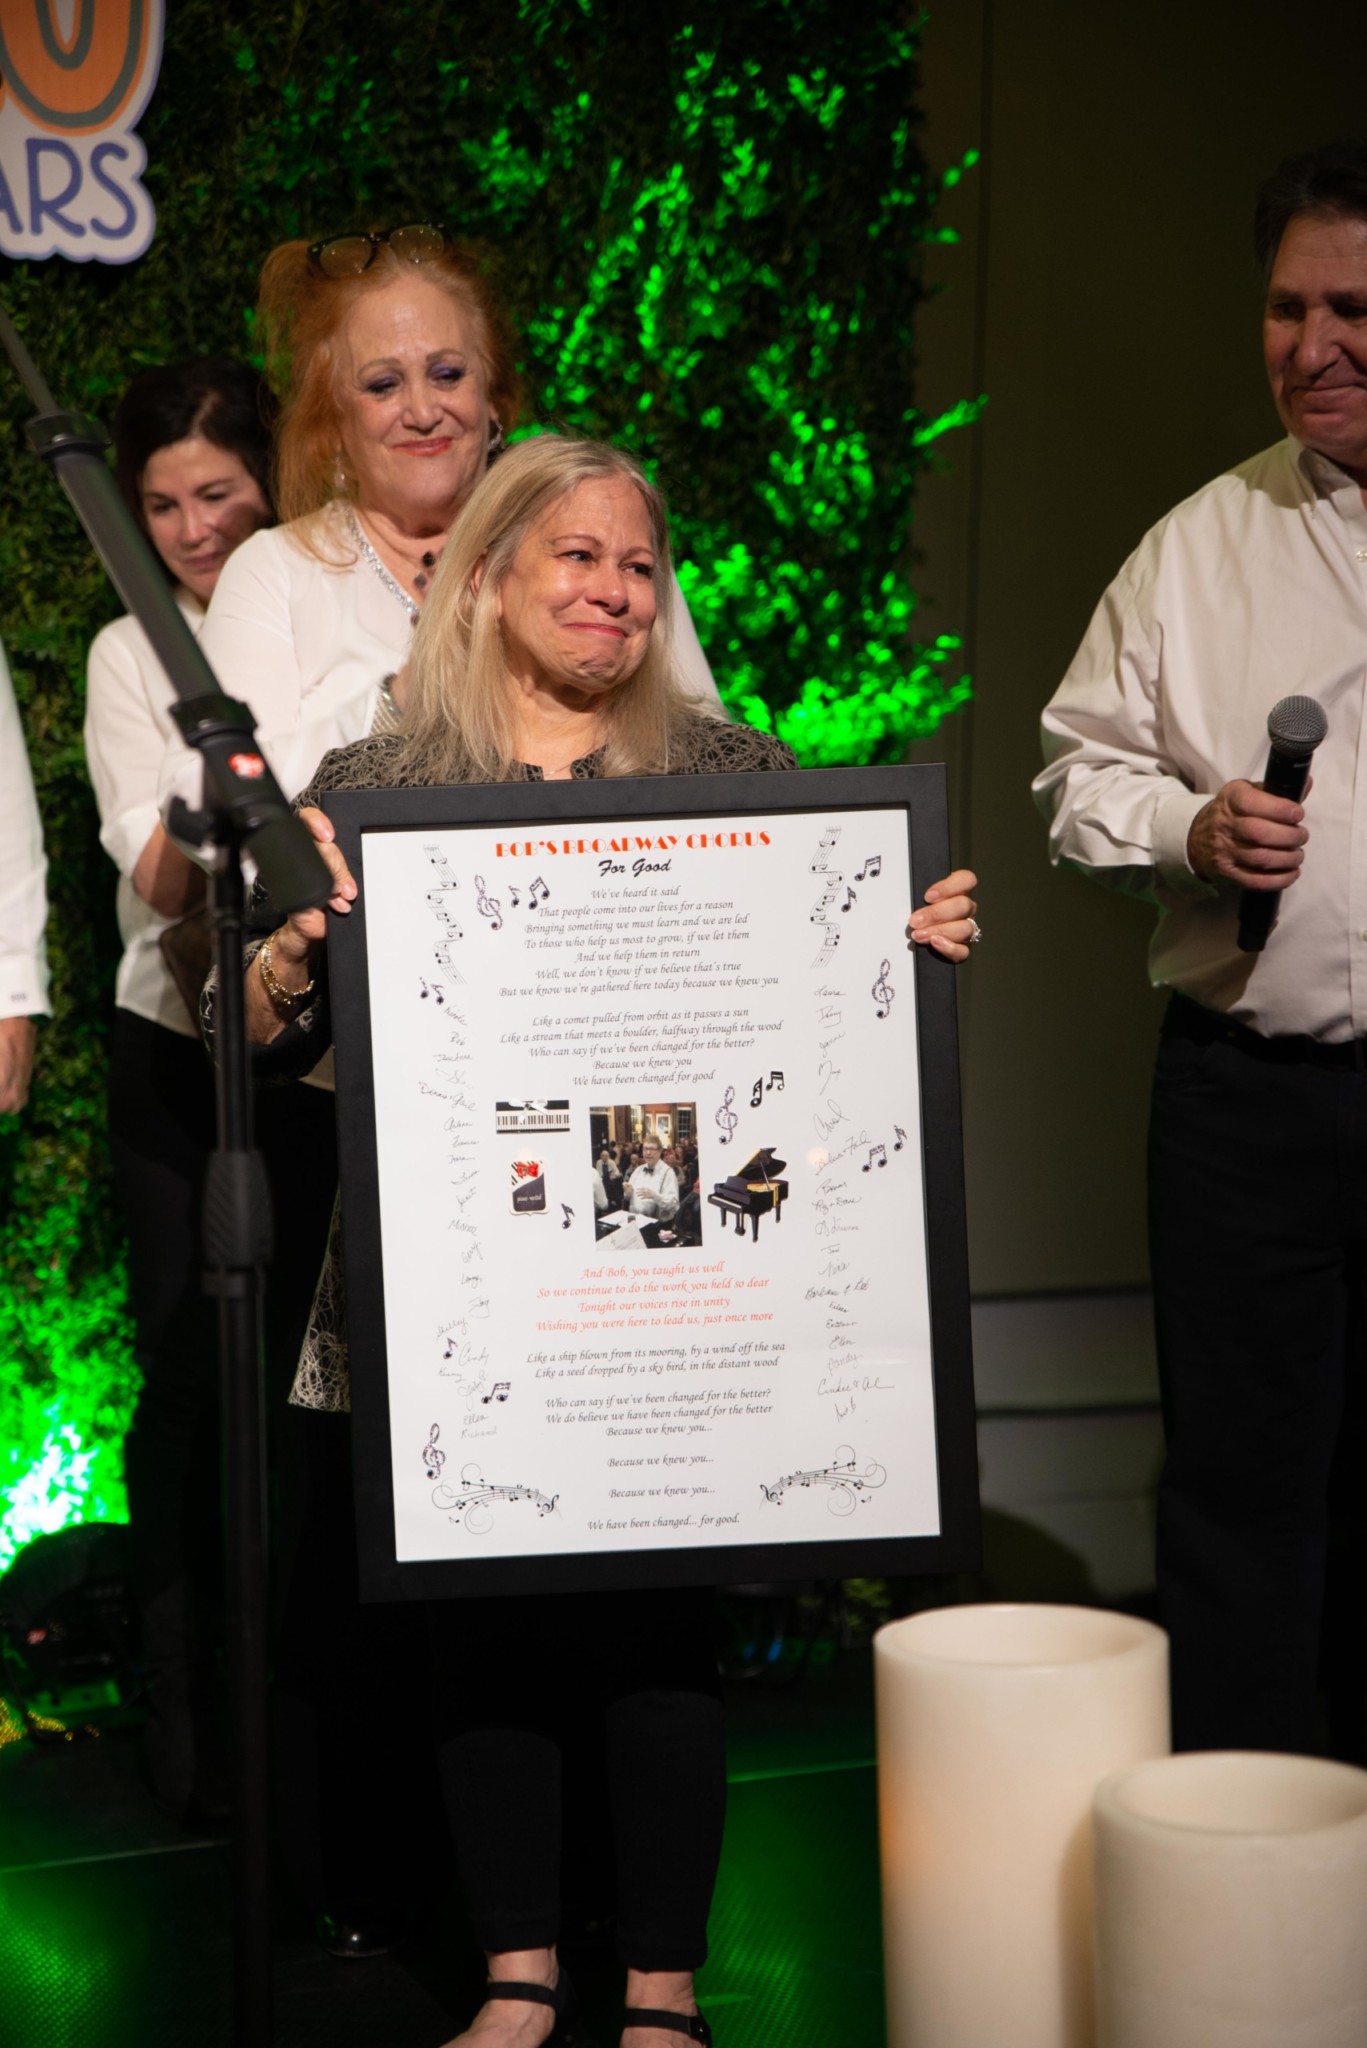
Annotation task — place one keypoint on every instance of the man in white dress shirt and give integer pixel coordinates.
(652, 1188)
(1252, 590)
(23, 907)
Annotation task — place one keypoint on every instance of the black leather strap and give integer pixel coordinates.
(690, 2023)
(530, 1994)
(1185, 1019)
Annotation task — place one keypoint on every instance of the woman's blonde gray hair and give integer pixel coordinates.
(460, 716)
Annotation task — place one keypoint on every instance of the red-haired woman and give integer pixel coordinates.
(396, 368)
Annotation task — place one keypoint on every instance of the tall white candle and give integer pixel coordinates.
(1231, 1894)
(995, 1725)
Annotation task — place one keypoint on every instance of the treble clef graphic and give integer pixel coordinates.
(433, 1458)
(883, 990)
(488, 905)
(727, 1118)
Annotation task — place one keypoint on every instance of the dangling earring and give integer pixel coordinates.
(496, 442)
(340, 479)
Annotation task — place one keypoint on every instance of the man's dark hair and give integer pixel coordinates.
(216, 397)
(1327, 184)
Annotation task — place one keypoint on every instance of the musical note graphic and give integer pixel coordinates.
(849, 1486)
(727, 1118)
(472, 1502)
(515, 896)
(499, 1391)
(826, 842)
(531, 893)
(441, 902)
(435, 990)
(439, 899)
(881, 1151)
(569, 1215)
(850, 898)
(900, 1136)
(883, 990)
(828, 946)
(757, 1093)
(872, 869)
(776, 1080)
(432, 1458)
(824, 902)
(488, 905)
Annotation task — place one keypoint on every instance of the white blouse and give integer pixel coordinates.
(128, 727)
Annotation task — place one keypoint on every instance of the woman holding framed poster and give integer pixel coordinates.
(543, 654)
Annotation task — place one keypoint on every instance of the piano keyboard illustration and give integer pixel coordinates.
(546, 1117)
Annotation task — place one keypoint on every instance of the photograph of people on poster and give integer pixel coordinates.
(645, 1176)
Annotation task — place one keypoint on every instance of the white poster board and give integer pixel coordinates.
(722, 1353)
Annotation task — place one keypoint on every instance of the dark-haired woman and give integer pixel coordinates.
(192, 450)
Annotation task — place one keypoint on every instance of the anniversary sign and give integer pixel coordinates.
(749, 1353)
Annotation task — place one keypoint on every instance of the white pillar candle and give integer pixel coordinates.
(995, 1725)
(1231, 1893)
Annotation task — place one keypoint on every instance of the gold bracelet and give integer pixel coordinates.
(271, 982)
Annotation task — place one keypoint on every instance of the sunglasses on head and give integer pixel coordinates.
(348, 255)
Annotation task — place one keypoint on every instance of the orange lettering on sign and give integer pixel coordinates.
(77, 84)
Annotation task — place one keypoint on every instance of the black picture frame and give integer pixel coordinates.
(920, 793)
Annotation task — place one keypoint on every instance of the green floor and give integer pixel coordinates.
(113, 1927)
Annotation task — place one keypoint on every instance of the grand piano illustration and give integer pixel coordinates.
(753, 1192)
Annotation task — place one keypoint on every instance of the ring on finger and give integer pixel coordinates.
(974, 931)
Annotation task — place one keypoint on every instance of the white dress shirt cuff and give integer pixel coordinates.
(23, 985)
(1172, 822)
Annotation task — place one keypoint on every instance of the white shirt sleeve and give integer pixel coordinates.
(305, 642)
(123, 747)
(23, 871)
(249, 635)
(694, 672)
(248, 640)
(1117, 808)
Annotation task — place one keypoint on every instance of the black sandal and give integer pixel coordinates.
(561, 2000)
(691, 2023)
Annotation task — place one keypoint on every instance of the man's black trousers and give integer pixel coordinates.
(1258, 1233)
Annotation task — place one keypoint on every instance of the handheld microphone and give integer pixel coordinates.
(1295, 727)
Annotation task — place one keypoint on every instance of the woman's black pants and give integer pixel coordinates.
(512, 1675)
(161, 1124)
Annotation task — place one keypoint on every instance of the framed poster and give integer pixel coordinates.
(651, 1184)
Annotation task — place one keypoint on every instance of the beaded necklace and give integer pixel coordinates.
(429, 561)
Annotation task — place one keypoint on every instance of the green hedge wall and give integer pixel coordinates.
(707, 221)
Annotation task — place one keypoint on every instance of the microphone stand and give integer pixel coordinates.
(243, 809)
